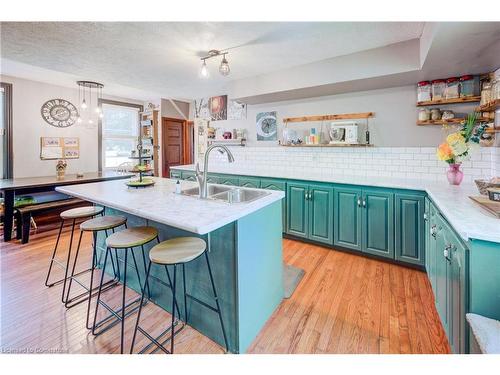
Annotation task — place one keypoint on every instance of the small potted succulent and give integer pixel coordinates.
(458, 146)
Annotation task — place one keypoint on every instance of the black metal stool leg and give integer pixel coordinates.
(217, 301)
(123, 302)
(68, 260)
(145, 268)
(170, 284)
(185, 293)
(174, 302)
(94, 264)
(100, 290)
(53, 256)
(137, 271)
(70, 282)
(140, 309)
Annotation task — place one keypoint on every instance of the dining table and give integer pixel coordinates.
(28, 185)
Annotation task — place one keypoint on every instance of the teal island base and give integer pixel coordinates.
(247, 263)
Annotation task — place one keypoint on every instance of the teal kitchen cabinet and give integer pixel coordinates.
(275, 184)
(250, 182)
(175, 174)
(410, 228)
(321, 213)
(347, 218)
(447, 268)
(310, 211)
(228, 180)
(430, 246)
(297, 209)
(188, 176)
(378, 222)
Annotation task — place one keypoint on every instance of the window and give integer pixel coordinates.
(5, 130)
(119, 132)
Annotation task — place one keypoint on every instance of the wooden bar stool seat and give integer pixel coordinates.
(131, 237)
(177, 252)
(125, 241)
(103, 223)
(81, 212)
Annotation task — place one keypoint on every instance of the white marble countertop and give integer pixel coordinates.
(160, 203)
(468, 219)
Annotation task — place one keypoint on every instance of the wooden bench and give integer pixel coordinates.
(24, 214)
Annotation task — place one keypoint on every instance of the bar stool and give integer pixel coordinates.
(127, 239)
(95, 225)
(71, 214)
(177, 252)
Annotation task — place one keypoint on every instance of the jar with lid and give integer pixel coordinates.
(486, 93)
(424, 91)
(438, 86)
(469, 85)
(435, 114)
(452, 90)
(424, 114)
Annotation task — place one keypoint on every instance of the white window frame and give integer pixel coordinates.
(102, 137)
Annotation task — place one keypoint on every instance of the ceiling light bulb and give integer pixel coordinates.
(79, 120)
(224, 67)
(97, 110)
(101, 115)
(84, 104)
(204, 70)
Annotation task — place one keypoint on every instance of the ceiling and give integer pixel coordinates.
(162, 59)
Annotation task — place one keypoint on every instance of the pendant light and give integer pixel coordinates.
(90, 93)
(224, 65)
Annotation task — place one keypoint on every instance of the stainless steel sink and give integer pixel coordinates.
(227, 193)
(238, 195)
(211, 190)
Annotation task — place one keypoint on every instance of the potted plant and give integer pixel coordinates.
(458, 146)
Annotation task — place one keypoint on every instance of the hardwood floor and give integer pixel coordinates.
(344, 304)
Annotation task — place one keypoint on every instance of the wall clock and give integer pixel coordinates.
(267, 129)
(59, 113)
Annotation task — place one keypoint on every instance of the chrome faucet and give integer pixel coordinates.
(202, 176)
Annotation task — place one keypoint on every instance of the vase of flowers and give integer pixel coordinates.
(458, 146)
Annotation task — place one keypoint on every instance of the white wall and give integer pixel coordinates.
(28, 126)
(394, 124)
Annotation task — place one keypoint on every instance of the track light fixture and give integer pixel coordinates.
(224, 65)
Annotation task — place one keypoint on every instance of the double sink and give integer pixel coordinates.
(227, 194)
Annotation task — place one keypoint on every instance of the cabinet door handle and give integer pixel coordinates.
(359, 202)
(446, 252)
(425, 216)
(310, 196)
(364, 202)
(433, 231)
(307, 195)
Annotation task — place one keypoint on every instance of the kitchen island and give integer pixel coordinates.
(244, 241)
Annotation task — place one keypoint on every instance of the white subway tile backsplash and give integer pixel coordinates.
(400, 162)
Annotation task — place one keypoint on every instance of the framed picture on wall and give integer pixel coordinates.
(52, 148)
(217, 106)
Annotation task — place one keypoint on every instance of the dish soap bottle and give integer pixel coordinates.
(178, 187)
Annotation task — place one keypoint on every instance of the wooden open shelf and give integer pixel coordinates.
(453, 121)
(465, 99)
(331, 145)
(491, 106)
(344, 116)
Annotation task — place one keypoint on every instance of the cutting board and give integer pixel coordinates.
(487, 204)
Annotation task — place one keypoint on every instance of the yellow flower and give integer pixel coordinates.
(444, 152)
(457, 143)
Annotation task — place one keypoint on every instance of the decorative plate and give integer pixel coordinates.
(59, 113)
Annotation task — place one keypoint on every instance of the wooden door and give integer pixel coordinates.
(297, 209)
(321, 213)
(347, 218)
(172, 134)
(378, 223)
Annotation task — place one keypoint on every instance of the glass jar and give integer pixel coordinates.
(469, 85)
(424, 114)
(438, 86)
(495, 90)
(424, 91)
(435, 114)
(486, 93)
(452, 90)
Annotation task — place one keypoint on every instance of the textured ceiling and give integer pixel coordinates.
(164, 57)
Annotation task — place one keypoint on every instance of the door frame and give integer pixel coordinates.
(165, 169)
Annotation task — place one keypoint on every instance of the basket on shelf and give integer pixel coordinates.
(483, 185)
